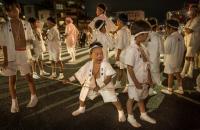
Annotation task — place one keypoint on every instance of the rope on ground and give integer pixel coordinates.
(188, 99)
(64, 68)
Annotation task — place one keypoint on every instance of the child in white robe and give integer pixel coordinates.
(54, 48)
(100, 35)
(192, 41)
(138, 72)
(122, 42)
(101, 15)
(71, 40)
(15, 34)
(39, 48)
(173, 57)
(96, 78)
(155, 47)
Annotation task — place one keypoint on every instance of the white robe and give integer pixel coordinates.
(140, 68)
(192, 40)
(53, 42)
(71, 36)
(174, 53)
(122, 41)
(85, 77)
(7, 39)
(106, 40)
(155, 48)
(110, 26)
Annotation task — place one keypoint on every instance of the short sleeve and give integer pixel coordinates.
(81, 74)
(130, 57)
(2, 37)
(109, 70)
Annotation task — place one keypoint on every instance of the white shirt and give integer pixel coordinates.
(122, 41)
(85, 73)
(155, 47)
(110, 26)
(174, 50)
(6, 38)
(133, 58)
(53, 40)
(105, 39)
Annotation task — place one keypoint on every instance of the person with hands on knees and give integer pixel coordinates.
(138, 71)
(96, 78)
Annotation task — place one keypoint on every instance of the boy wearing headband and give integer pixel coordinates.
(173, 57)
(100, 35)
(138, 71)
(101, 15)
(96, 78)
(123, 38)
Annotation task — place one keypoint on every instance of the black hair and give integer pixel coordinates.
(123, 17)
(98, 23)
(32, 20)
(11, 3)
(51, 19)
(98, 44)
(172, 23)
(140, 26)
(102, 6)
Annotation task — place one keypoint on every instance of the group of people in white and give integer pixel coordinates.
(138, 49)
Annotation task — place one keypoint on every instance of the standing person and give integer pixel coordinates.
(96, 78)
(100, 35)
(122, 42)
(83, 38)
(71, 40)
(192, 41)
(16, 34)
(39, 49)
(54, 48)
(155, 48)
(173, 57)
(138, 71)
(101, 15)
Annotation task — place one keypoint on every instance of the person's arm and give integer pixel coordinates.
(133, 77)
(71, 79)
(5, 54)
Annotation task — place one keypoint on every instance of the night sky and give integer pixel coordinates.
(154, 8)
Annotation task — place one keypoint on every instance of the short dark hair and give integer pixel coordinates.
(10, 3)
(32, 20)
(51, 19)
(98, 23)
(140, 26)
(102, 6)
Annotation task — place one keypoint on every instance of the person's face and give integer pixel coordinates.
(103, 29)
(191, 13)
(97, 55)
(142, 38)
(67, 21)
(168, 30)
(13, 11)
(119, 23)
(49, 24)
(99, 11)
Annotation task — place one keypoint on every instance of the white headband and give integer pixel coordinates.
(95, 46)
(137, 34)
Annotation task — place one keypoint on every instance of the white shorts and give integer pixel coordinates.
(107, 95)
(171, 70)
(55, 56)
(20, 64)
(137, 94)
(190, 52)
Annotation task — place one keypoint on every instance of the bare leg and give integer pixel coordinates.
(31, 84)
(12, 86)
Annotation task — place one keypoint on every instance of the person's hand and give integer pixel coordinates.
(188, 31)
(65, 81)
(5, 64)
(97, 88)
(138, 85)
